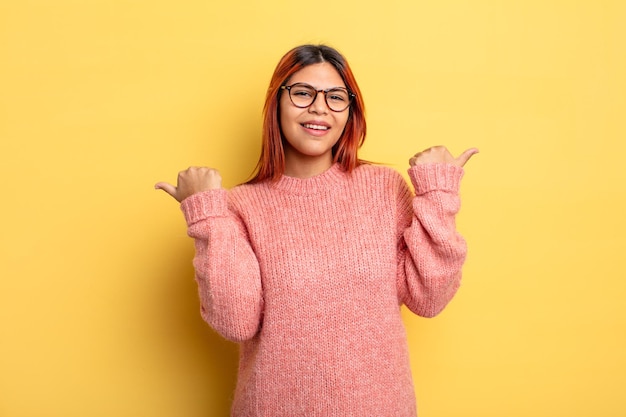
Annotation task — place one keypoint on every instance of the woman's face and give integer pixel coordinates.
(310, 133)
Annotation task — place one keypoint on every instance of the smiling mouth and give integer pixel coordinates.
(315, 127)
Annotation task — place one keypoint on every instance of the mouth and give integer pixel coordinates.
(314, 126)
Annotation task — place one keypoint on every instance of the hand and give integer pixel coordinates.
(441, 155)
(192, 180)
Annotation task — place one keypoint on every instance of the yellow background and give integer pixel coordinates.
(100, 99)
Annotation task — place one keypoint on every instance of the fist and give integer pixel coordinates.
(192, 180)
(441, 155)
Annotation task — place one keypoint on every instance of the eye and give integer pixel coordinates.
(302, 91)
(337, 95)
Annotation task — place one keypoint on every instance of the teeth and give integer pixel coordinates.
(316, 127)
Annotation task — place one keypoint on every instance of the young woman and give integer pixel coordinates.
(307, 264)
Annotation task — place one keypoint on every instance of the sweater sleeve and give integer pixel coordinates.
(226, 269)
(431, 251)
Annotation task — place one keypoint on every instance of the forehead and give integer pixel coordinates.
(320, 76)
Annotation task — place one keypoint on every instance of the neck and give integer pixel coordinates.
(306, 167)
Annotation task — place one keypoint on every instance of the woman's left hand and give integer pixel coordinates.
(441, 155)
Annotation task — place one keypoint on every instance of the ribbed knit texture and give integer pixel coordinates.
(309, 275)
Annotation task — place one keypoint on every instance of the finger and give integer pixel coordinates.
(465, 156)
(168, 188)
(413, 159)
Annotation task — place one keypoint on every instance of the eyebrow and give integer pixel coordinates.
(317, 89)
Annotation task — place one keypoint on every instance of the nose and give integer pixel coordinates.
(319, 105)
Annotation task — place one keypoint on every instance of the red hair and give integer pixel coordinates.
(271, 163)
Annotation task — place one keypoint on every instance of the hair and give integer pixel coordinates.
(271, 163)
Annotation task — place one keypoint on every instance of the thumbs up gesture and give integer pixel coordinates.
(190, 181)
(441, 155)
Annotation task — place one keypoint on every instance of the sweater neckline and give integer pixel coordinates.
(320, 182)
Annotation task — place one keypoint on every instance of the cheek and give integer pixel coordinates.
(283, 120)
(288, 127)
(285, 112)
(343, 121)
(282, 117)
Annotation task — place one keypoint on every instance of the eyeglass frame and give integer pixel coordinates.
(351, 95)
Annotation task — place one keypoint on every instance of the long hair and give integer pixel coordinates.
(271, 163)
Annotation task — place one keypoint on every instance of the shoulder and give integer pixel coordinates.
(376, 169)
(246, 195)
(379, 174)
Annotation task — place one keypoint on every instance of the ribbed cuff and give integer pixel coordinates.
(199, 206)
(435, 177)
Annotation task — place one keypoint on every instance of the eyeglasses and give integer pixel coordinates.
(302, 95)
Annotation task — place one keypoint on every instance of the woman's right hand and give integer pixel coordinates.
(192, 180)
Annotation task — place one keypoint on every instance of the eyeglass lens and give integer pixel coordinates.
(303, 95)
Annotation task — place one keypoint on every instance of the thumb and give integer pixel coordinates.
(168, 188)
(465, 156)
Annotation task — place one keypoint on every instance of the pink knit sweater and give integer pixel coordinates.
(309, 275)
